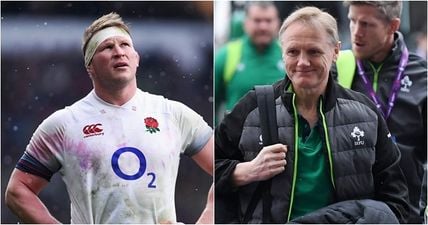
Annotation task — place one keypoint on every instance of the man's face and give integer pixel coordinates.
(262, 24)
(369, 33)
(308, 54)
(114, 63)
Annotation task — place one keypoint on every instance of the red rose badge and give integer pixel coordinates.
(151, 125)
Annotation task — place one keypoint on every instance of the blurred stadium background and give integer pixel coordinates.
(42, 70)
(229, 15)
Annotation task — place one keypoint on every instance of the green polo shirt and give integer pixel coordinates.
(313, 189)
(253, 68)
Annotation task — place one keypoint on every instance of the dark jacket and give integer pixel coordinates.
(360, 169)
(364, 211)
(408, 119)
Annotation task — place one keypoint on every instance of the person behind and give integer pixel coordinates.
(421, 43)
(381, 67)
(117, 149)
(335, 161)
(252, 59)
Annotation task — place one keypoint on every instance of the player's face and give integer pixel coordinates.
(114, 63)
(262, 24)
(369, 32)
(308, 54)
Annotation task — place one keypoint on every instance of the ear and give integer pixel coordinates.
(394, 25)
(138, 58)
(337, 50)
(90, 70)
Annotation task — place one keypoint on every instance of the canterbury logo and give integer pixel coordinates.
(92, 130)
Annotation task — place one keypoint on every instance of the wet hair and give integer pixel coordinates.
(388, 9)
(315, 17)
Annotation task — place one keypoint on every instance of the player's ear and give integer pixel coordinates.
(138, 58)
(90, 70)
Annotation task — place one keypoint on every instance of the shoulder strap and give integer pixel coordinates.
(233, 55)
(345, 65)
(267, 113)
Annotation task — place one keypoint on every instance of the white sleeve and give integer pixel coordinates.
(46, 144)
(195, 132)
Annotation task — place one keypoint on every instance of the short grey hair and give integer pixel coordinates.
(261, 4)
(389, 9)
(315, 17)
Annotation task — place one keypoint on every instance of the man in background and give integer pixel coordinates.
(253, 59)
(381, 67)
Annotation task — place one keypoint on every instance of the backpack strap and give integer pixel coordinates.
(233, 56)
(345, 65)
(267, 113)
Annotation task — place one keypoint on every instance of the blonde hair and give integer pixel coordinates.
(110, 20)
(388, 9)
(315, 17)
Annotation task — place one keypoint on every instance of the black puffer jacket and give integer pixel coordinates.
(362, 166)
(408, 119)
(365, 211)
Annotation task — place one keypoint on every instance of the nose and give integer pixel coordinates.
(118, 51)
(264, 24)
(303, 60)
(358, 30)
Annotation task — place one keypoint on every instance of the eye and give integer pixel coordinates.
(106, 46)
(314, 52)
(257, 20)
(125, 44)
(292, 52)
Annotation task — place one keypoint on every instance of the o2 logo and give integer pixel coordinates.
(141, 169)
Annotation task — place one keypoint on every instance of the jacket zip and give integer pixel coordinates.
(296, 148)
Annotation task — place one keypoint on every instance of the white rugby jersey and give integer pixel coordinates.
(119, 163)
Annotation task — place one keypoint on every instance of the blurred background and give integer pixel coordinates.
(42, 70)
(230, 14)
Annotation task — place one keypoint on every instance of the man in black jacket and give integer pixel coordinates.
(334, 148)
(395, 80)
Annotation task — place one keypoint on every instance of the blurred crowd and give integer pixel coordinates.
(413, 22)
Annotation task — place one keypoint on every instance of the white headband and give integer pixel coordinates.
(101, 36)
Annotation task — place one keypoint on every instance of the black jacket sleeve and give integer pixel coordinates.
(363, 211)
(227, 156)
(227, 136)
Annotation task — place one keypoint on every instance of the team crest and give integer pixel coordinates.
(152, 125)
(406, 84)
(358, 134)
